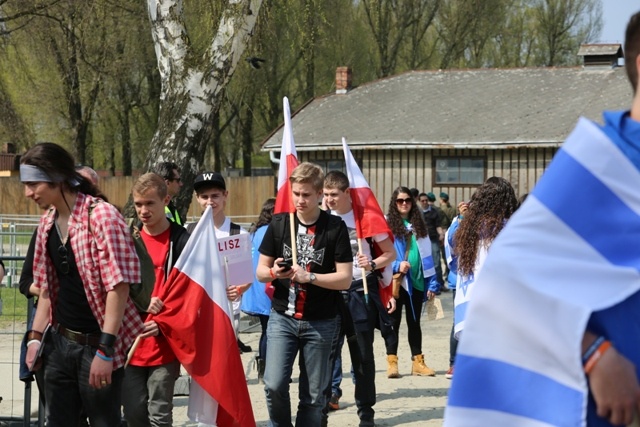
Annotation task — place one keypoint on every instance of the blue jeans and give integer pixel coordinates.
(66, 372)
(336, 374)
(314, 339)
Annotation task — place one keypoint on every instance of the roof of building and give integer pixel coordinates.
(601, 49)
(481, 108)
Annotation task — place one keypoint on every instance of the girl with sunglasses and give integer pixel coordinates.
(413, 258)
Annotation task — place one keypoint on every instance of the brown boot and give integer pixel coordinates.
(392, 366)
(419, 368)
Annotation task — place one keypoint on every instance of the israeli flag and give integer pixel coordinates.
(428, 266)
(448, 243)
(570, 250)
(465, 285)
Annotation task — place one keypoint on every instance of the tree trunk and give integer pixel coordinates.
(192, 89)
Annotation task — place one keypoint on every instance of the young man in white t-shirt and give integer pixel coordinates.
(211, 190)
(358, 320)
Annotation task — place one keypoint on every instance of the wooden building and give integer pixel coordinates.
(451, 130)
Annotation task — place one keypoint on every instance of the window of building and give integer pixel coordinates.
(331, 164)
(459, 170)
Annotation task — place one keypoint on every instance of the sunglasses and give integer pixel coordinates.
(64, 265)
(174, 179)
(408, 200)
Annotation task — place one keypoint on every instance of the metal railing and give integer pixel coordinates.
(15, 234)
(14, 332)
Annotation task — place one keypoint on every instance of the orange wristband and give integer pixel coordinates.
(593, 359)
(273, 276)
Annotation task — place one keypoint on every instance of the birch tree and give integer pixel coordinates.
(193, 88)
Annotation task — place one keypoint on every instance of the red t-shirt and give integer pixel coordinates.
(155, 351)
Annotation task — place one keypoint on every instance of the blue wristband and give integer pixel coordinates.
(592, 349)
(103, 357)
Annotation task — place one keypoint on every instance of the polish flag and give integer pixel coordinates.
(288, 162)
(370, 220)
(197, 321)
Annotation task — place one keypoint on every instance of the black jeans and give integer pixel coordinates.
(453, 342)
(413, 322)
(66, 372)
(262, 346)
(363, 318)
(362, 357)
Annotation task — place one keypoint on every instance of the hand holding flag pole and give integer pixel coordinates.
(197, 323)
(365, 285)
(368, 216)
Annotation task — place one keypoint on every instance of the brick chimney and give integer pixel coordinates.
(343, 80)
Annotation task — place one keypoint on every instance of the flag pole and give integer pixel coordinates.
(133, 350)
(364, 275)
(229, 303)
(294, 246)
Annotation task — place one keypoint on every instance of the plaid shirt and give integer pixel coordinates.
(105, 256)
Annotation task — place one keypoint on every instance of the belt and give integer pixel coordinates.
(78, 337)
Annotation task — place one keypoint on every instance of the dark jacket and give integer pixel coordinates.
(178, 237)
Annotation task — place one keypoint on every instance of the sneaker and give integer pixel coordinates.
(333, 402)
(449, 373)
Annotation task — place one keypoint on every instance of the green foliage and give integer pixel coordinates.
(84, 73)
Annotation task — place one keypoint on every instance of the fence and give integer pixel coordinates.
(15, 402)
(15, 396)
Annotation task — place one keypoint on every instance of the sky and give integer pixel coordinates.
(615, 15)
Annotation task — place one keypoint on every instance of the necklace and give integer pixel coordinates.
(63, 240)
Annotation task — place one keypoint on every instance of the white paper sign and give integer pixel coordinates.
(235, 252)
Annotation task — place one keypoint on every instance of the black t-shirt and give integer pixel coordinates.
(72, 308)
(433, 220)
(320, 246)
(26, 276)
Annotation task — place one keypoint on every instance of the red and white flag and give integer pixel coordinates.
(197, 321)
(370, 220)
(288, 162)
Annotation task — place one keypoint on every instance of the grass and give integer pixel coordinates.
(14, 307)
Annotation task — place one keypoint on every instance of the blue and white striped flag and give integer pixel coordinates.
(448, 242)
(464, 289)
(428, 266)
(569, 251)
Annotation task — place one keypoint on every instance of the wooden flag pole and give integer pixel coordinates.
(132, 350)
(364, 275)
(294, 246)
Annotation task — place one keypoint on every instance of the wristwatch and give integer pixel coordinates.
(373, 265)
(312, 277)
